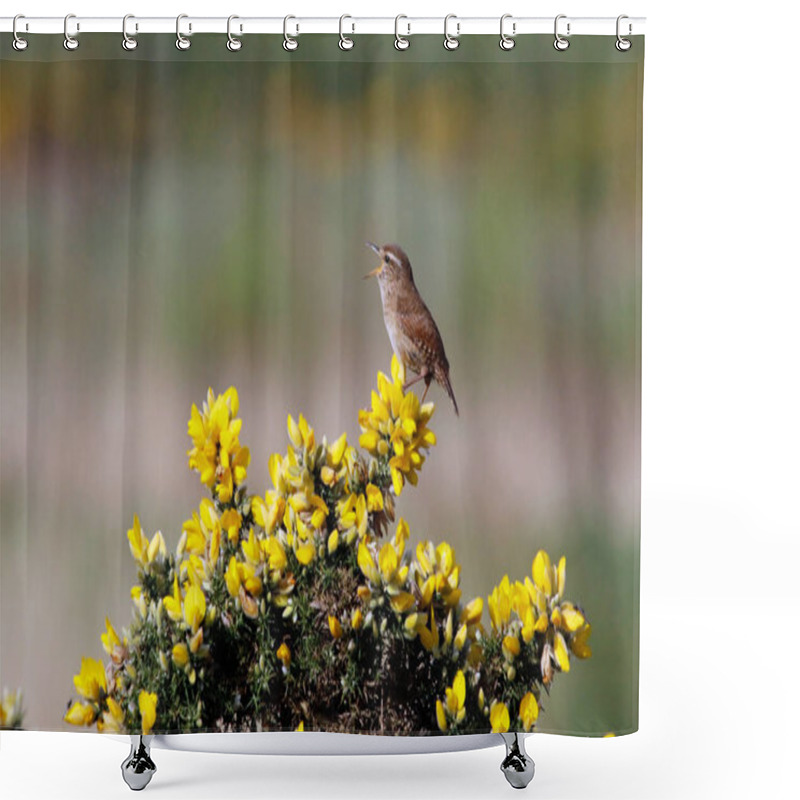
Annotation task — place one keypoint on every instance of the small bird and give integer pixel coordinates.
(413, 333)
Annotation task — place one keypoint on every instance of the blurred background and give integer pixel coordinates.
(199, 220)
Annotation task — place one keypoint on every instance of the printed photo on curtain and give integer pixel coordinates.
(320, 400)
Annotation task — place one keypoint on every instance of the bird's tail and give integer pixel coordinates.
(443, 379)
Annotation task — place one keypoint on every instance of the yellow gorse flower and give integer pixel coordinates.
(395, 428)
(498, 717)
(147, 708)
(11, 709)
(521, 611)
(437, 574)
(217, 455)
(528, 710)
(90, 682)
(143, 551)
(284, 655)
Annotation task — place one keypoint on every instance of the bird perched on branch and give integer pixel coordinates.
(412, 331)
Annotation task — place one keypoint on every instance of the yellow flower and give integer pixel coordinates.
(217, 455)
(580, 642)
(284, 655)
(144, 552)
(80, 714)
(395, 429)
(194, 608)
(441, 720)
(231, 523)
(180, 654)
(374, 498)
(437, 574)
(498, 717)
(335, 626)
(510, 647)
(356, 619)
(11, 709)
(113, 717)
(90, 682)
(110, 639)
(528, 710)
(300, 433)
(455, 697)
(147, 708)
(172, 603)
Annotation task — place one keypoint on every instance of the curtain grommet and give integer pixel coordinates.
(290, 43)
(19, 44)
(128, 42)
(451, 42)
(507, 41)
(70, 42)
(345, 42)
(401, 42)
(622, 44)
(182, 42)
(560, 42)
(234, 43)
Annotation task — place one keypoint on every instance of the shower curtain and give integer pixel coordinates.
(227, 504)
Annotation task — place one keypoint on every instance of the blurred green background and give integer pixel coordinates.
(174, 221)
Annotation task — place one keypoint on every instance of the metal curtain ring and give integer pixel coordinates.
(507, 42)
(234, 42)
(451, 42)
(19, 43)
(345, 42)
(560, 42)
(400, 42)
(289, 42)
(128, 42)
(623, 44)
(182, 43)
(70, 42)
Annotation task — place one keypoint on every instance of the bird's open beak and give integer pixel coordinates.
(377, 270)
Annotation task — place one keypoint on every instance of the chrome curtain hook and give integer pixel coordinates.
(128, 42)
(560, 42)
(234, 42)
(19, 43)
(507, 42)
(181, 42)
(70, 42)
(400, 42)
(451, 42)
(345, 42)
(289, 42)
(623, 44)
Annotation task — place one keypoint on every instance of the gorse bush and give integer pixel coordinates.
(307, 608)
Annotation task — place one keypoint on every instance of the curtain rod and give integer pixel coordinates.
(407, 26)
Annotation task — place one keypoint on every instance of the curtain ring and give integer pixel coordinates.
(234, 42)
(451, 42)
(19, 43)
(289, 42)
(182, 43)
(70, 42)
(128, 42)
(507, 42)
(400, 42)
(623, 44)
(345, 42)
(560, 42)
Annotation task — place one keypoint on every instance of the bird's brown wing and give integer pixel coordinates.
(425, 347)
